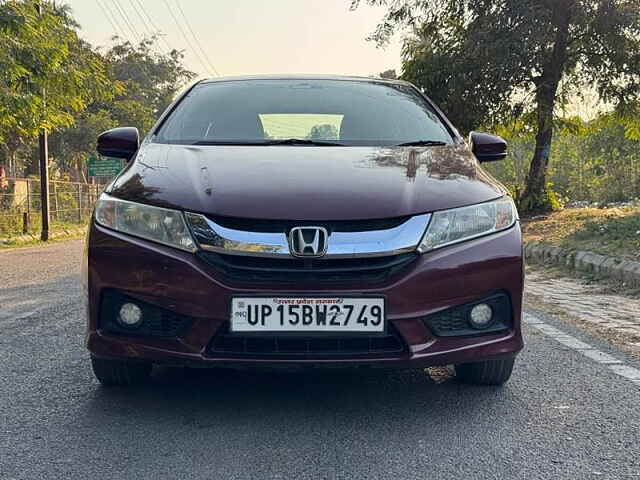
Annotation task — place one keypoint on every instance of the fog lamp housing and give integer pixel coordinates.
(119, 312)
(491, 314)
(130, 315)
(481, 316)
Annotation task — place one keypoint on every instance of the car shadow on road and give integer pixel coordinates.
(218, 423)
(218, 398)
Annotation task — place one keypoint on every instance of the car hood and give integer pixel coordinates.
(305, 183)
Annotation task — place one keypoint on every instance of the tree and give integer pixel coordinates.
(48, 73)
(71, 146)
(51, 79)
(144, 84)
(486, 59)
(151, 80)
(389, 74)
(324, 131)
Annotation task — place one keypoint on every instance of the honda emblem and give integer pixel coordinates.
(308, 241)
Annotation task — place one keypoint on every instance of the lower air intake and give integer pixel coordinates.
(272, 346)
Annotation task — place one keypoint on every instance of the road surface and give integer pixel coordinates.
(571, 410)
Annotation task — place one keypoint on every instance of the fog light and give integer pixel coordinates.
(130, 315)
(481, 316)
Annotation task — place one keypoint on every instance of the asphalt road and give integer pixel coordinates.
(561, 416)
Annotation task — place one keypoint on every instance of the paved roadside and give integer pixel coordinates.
(565, 413)
(612, 316)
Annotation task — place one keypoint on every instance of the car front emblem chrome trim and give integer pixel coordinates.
(213, 237)
(311, 242)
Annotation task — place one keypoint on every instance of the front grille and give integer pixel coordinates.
(295, 270)
(157, 322)
(455, 321)
(284, 226)
(231, 345)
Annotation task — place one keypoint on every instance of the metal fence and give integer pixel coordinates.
(71, 204)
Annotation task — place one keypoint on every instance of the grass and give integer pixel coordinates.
(59, 231)
(15, 243)
(608, 231)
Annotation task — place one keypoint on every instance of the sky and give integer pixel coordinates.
(240, 37)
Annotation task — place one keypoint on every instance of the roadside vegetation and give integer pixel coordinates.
(613, 231)
(594, 160)
(61, 233)
(54, 80)
(519, 68)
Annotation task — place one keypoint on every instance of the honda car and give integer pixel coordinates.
(303, 221)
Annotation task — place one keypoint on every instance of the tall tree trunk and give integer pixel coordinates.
(536, 197)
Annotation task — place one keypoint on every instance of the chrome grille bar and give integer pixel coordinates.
(403, 238)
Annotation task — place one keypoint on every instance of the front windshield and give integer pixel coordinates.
(266, 111)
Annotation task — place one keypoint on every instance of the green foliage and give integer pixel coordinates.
(593, 161)
(51, 79)
(489, 61)
(630, 119)
(150, 81)
(553, 199)
(144, 84)
(618, 227)
(479, 58)
(49, 74)
(70, 147)
(389, 74)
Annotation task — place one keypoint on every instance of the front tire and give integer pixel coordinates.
(489, 372)
(114, 373)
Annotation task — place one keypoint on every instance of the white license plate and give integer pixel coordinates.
(307, 314)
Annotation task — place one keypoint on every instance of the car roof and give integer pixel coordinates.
(346, 78)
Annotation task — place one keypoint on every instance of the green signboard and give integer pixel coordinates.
(103, 166)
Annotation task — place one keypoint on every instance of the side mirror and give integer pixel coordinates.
(487, 148)
(120, 142)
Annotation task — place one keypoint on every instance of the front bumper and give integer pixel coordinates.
(184, 284)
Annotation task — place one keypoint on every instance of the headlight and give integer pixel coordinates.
(460, 224)
(152, 223)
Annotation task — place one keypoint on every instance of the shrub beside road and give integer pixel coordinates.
(613, 231)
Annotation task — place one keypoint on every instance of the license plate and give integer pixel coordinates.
(308, 314)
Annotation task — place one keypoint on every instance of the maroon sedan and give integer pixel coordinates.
(303, 221)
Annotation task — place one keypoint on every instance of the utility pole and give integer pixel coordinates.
(44, 170)
(44, 184)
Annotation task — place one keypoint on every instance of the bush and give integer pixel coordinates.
(595, 162)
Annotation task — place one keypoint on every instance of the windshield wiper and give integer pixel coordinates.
(422, 143)
(303, 141)
(229, 142)
(287, 141)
